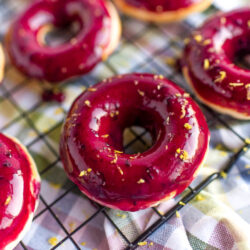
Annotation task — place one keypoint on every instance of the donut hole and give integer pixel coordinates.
(242, 59)
(136, 139)
(237, 50)
(53, 36)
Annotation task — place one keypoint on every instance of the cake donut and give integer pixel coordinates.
(20, 185)
(209, 63)
(97, 27)
(161, 10)
(92, 150)
(2, 63)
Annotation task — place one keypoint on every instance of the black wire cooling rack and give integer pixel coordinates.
(8, 9)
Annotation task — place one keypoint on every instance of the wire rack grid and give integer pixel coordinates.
(144, 48)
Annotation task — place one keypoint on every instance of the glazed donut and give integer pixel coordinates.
(98, 29)
(208, 63)
(20, 186)
(161, 10)
(92, 141)
(2, 63)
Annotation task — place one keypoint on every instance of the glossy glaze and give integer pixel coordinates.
(19, 190)
(76, 57)
(161, 5)
(92, 139)
(219, 41)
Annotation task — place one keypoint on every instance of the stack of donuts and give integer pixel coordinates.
(91, 144)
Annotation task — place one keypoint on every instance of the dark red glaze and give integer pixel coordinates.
(124, 181)
(220, 40)
(19, 190)
(70, 59)
(51, 95)
(161, 5)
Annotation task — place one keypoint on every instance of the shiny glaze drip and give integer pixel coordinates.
(218, 80)
(70, 59)
(17, 200)
(161, 5)
(92, 141)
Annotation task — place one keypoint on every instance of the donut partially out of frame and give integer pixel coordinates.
(209, 63)
(97, 27)
(20, 186)
(161, 11)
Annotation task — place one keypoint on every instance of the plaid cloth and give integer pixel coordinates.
(219, 218)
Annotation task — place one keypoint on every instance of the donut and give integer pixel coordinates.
(97, 28)
(209, 63)
(161, 11)
(91, 146)
(20, 185)
(2, 63)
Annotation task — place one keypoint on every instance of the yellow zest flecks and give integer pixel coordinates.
(178, 94)
(83, 243)
(182, 203)
(89, 170)
(200, 197)
(7, 200)
(53, 241)
(142, 243)
(221, 77)
(118, 152)
(105, 136)
(198, 38)
(58, 111)
(121, 215)
(151, 243)
(55, 186)
(114, 113)
(92, 89)
(245, 149)
(248, 23)
(186, 95)
(236, 84)
(87, 103)
(207, 42)
(223, 153)
(247, 140)
(206, 64)
(247, 166)
(120, 170)
(83, 173)
(170, 61)
(187, 126)
(141, 93)
(158, 77)
(223, 20)
(183, 112)
(141, 181)
(183, 154)
(167, 120)
(186, 40)
(72, 226)
(115, 160)
(223, 175)
(247, 86)
(177, 214)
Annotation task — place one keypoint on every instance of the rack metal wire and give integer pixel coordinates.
(7, 11)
